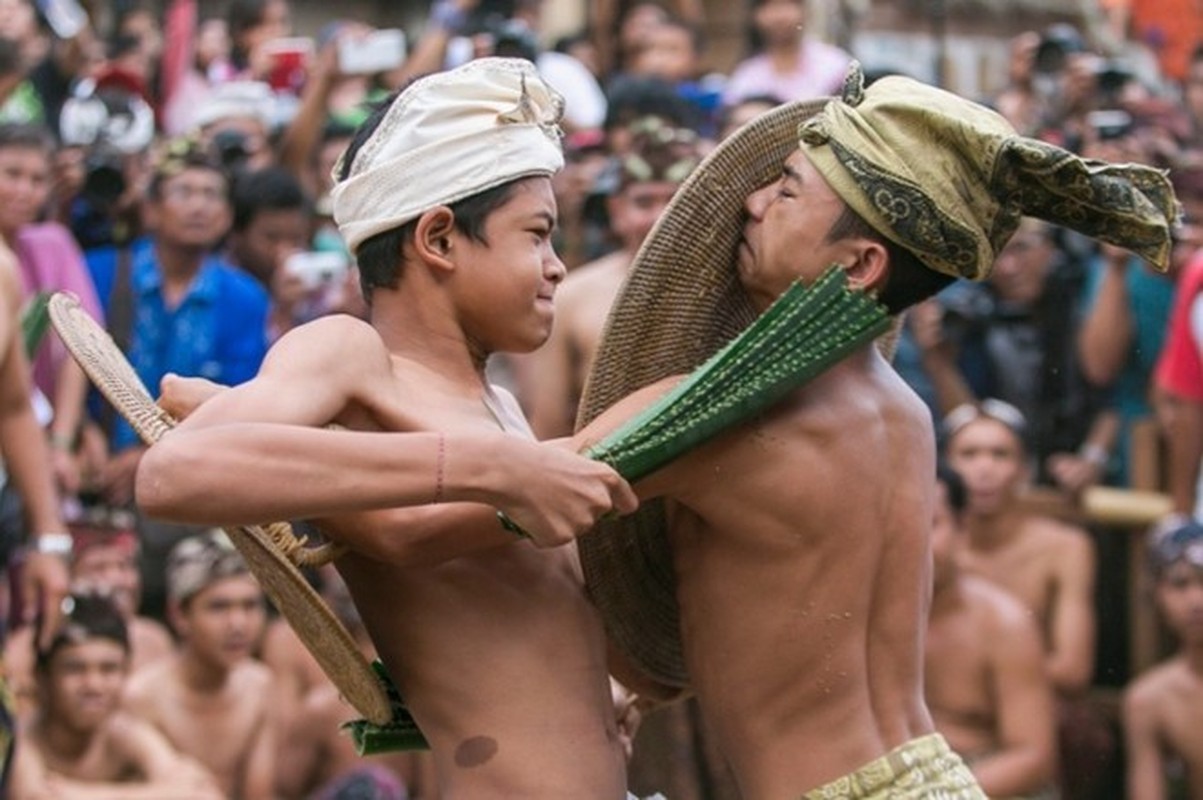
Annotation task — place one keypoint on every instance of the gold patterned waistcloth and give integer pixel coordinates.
(922, 769)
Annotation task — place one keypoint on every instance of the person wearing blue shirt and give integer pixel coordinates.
(174, 305)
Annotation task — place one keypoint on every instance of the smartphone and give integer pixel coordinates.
(379, 51)
(316, 269)
(289, 62)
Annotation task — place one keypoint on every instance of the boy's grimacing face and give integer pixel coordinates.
(507, 283)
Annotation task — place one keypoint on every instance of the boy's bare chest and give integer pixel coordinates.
(418, 401)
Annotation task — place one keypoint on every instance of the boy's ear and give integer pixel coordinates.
(871, 267)
(433, 237)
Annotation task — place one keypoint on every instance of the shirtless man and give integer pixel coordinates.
(798, 543)
(1048, 565)
(642, 183)
(211, 699)
(81, 744)
(984, 676)
(1162, 707)
(445, 198)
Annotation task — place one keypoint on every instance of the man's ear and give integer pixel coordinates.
(433, 237)
(871, 267)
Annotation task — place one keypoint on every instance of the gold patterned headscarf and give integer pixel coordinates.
(949, 179)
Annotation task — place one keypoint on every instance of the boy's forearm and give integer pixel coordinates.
(254, 473)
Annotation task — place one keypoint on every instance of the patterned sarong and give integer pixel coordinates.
(922, 769)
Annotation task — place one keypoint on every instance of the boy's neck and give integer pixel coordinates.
(1193, 653)
(432, 338)
(61, 741)
(987, 531)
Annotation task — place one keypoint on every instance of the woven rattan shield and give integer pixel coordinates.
(272, 552)
(681, 303)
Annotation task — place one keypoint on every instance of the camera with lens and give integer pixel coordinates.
(1112, 76)
(104, 175)
(1057, 43)
(231, 148)
(110, 120)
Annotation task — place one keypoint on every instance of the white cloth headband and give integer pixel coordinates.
(446, 137)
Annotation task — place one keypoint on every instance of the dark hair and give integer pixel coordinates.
(753, 40)
(267, 189)
(183, 155)
(954, 485)
(27, 135)
(629, 98)
(87, 616)
(379, 257)
(909, 280)
(728, 109)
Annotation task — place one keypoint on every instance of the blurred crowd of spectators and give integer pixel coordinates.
(173, 172)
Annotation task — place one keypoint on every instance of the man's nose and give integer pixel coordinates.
(757, 202)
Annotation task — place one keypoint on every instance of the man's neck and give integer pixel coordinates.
(198, 675)
(178, 265)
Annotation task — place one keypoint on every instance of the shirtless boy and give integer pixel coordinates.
(106, 563)
(211, 699)
(1047, 564)
(80, 743)
(799, 543)
(1162, 707)
(984, 676)
(445, 198)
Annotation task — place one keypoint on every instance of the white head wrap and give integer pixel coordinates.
(447, 137)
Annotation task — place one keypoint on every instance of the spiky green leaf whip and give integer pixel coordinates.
(805, 331)
(400, 733)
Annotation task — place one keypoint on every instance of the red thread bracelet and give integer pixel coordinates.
(438, 481)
